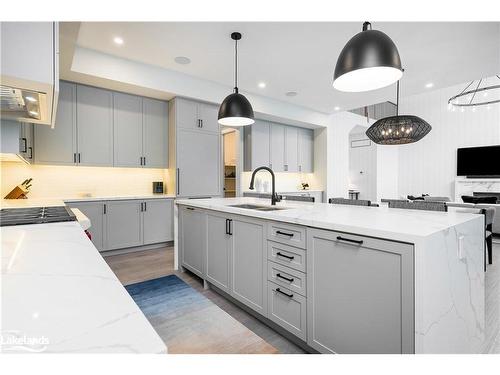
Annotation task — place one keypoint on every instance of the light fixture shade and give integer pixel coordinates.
(398, 130)
(236, 110)
(370, 60)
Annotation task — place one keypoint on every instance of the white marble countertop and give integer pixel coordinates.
(396, 224)
(60, 295)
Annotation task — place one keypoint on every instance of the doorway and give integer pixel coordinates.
(230, 172)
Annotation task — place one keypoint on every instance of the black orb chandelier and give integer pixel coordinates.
(236, 110)
(474, 95)
(399, 129)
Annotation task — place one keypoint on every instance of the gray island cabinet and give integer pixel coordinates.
(342, 279)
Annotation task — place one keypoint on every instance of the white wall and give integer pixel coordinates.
(363, 167)
(429, 166)
(387, 172)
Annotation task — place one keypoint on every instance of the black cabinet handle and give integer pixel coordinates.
(229, 229)
(190, 208)
(284, 233)
(284, 278)
(140, 160)
(104, 208)
(285, 294)
(144, 160)
(79, 158)
(284, 256)
(25, 145)
(178, 183)
(145, 206)
(359, 242)
(74, 158)
(31, 153)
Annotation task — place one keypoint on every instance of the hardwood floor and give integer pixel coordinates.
(150, 264)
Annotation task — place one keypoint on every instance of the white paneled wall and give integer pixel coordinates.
(429, 166)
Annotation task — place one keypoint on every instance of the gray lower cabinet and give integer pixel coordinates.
(218, 263)
(193, 239)
(158, 225)
(123, 223)
(359, 294)
(198, 163)
(58, 145)
(95, 212)
(287, 308)
(249, 263)
(94, 116)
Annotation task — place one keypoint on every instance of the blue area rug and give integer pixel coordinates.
(188, 322)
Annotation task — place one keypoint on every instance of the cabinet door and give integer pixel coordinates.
(123, 224)
(27, 138)
(94, 108)
(257, 145)
(305, 150)
(277, 147)
(218, 250)
(291, 148)
(155, 133)
(208, 114)
(248, 263)
(58, 146)
(95, 212)
(186, 114)
(127, 131)
(359, 296)
(198, 163)
(193, 239)
(158, 225)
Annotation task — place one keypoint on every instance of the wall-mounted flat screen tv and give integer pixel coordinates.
(478, 161)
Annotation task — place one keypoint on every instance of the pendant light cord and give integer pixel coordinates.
(397, 100)
(236, 66)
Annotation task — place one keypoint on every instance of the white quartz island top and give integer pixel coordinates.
(395, 224)
(59, 295)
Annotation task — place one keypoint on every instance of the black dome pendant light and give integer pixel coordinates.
(236, 110)
(399, 129)
(370, 60)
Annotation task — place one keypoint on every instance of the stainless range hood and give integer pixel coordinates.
(29, 71)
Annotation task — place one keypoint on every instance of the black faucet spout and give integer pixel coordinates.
(274, 197)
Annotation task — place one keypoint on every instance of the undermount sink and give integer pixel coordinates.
(257, 207)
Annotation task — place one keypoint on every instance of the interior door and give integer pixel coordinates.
(198, 163)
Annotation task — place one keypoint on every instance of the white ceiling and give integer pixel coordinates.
(301, 57)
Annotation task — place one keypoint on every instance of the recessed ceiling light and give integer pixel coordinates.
(336, 108)
(183, 60)
(30, 99)
(291, 93)
(429, 85)
(118, 40)
(262, 85)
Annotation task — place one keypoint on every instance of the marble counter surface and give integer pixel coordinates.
(59, 295)
(394, 224)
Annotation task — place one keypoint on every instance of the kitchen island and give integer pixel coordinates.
(343, 279)
(59, 295)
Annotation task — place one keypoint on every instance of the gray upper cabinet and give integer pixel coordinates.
(193, 239)
(218, 264)
(27, 142)
(95, 212)
(198, 163)
(249, 263)
(94, 108)
(155, 133)
(359, 295)
(58, 145)
(277, 147)
(158, 225)
(123, 223)
(256, 145)
(306, 150)
(196, 116)
(127, 119)
(291, 147)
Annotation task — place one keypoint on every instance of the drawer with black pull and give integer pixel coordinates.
(287, 309)
(289, 234)
(287, 277)
(289, 256)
